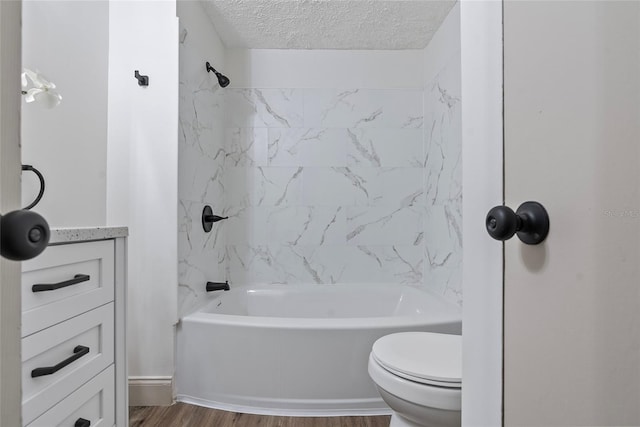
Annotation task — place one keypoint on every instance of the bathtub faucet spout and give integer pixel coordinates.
(217, 286)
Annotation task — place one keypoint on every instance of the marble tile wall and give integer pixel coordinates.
(443, 182)
(201, 158)
(320, 186)
(346, 186)
(325, 186)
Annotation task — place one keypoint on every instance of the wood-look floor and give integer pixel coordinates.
(184, 415)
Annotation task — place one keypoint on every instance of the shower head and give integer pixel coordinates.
(222, 79)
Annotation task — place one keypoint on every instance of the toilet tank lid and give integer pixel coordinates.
(421, 355)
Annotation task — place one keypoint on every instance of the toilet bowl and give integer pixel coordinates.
(419, 375)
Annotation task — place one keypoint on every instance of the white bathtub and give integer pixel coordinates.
(298, 349)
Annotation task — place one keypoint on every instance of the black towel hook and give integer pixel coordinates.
(142, 80)
(41, 179)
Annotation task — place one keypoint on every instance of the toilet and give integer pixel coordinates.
(419, 375)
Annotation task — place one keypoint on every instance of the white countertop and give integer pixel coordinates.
(83, 234)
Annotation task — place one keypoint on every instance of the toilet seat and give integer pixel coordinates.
(422, 357)
(446, 398)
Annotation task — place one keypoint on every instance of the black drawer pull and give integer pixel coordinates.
(78, 278)
(78, 352)
(81, 422)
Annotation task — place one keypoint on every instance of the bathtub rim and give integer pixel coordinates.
(202, 316)
(313, 323)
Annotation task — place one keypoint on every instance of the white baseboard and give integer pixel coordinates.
(150, 391)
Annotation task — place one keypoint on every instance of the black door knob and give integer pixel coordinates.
(530, 222)
(23, 235)
(81, 422)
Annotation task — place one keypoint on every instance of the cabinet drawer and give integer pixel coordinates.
(93, 402)
(76, 350)
(58, 265)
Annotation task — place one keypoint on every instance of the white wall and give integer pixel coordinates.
(331, 69)
(481, 40)
(68, 42)
(109, 151)
(201, 256)
(444, 45)
(142, 174)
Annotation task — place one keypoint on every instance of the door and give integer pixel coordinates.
(572, 143)
(10, 36)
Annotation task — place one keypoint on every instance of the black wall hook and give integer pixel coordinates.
(142, 80)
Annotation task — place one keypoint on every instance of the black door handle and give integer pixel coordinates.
(78, 352)
(78, 278)
(530, 222)
(23, 235)
(81, 422)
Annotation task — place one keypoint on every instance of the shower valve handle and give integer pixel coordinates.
(208, 218)
(214, 218)
(530, 222)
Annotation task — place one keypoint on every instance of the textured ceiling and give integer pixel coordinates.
(327, 24)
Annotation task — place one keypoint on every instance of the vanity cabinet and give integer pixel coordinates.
(73, 331)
